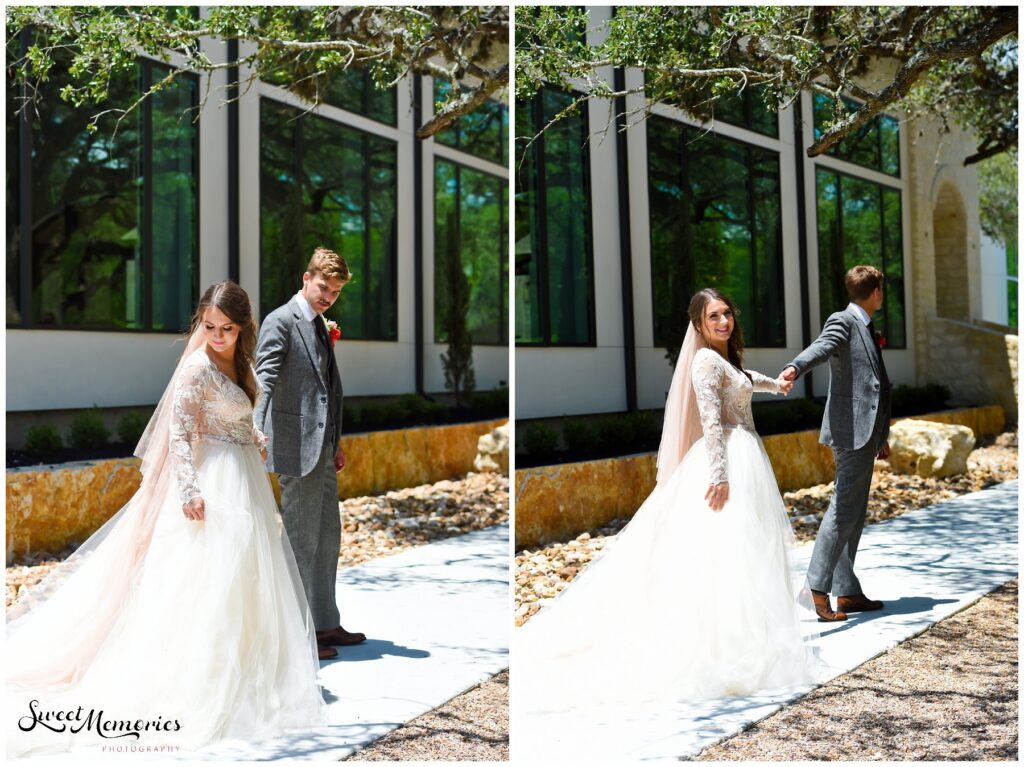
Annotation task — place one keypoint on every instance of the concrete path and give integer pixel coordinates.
(925, 565)
(438, 622)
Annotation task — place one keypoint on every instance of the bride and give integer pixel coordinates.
(694, 598)
(182, 620)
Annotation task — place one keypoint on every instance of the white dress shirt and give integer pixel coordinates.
(859, 313)
(307, 310)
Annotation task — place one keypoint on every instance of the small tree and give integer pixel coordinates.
(458, 362)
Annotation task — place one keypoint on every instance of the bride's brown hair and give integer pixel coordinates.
(234, 302)
(696, 311)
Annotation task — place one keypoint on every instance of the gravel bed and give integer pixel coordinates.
(949, 694)
(470, 727)
(541, 574)
(372, 526)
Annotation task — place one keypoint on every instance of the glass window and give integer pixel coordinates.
(13, 180)
(860, 222)
(469, 224)
(715, 222)
(554, 290)
(355, 91)
(1012, 281)
(324, 183)
(876, 145)
(483, 133)
(748, 110)
(114, 240)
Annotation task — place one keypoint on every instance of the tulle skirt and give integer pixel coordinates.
(685, 603)
(210, 639)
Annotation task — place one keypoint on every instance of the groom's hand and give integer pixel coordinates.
(789, 373)
(717, 495)
(339, 460)
(884, 453)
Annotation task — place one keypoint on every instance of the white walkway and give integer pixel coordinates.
(437, 622)
(925, 566)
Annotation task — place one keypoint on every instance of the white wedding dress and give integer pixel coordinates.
(685, 603)
(202, 623)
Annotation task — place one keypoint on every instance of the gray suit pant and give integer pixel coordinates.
(309, 507)
(835, 548)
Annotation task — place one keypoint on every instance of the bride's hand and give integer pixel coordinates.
(785, 386)
(195, 509)
(717, 495)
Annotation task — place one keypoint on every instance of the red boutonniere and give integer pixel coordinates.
(333, 331)
(881, 339)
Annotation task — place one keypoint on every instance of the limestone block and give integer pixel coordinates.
(492, 452)
(929, 449)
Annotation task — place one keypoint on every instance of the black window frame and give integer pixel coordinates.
(881, 238)
(361, 280)
(876, 126)
(543, 298)
(25, 224)
(687, 134)
(503, 274)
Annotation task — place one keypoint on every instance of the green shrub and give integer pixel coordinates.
(87, 430)
(916, 400)
(374, 416)
(580, 434)
(131, 426)
(541, 441)
(42, 439)
(645, 427)
(787, 416)
(491, 403)
(614, 432)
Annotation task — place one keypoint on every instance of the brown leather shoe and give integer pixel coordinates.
(858, 603)
(823, 608)
(338, 636)
(324, 652)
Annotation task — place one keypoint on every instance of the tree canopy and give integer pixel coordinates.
(295, 46)
(997, 194)
(954, 63)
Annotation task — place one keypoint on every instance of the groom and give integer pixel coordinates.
(856, 427)
(301, 414)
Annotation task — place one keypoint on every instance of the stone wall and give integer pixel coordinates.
(49, 507)
(558, 502)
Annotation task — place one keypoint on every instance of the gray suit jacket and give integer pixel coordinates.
(293, 410)
(859, 390)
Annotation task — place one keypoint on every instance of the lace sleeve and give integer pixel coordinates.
(763, 383)
(185, 417)
(259, 439)
(707, 385)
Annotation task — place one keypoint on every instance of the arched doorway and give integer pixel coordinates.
(949, 223)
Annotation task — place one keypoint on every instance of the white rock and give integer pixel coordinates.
(929, 449)
(492, 451)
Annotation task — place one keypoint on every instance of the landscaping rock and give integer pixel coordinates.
(929, 449)
(492, 451)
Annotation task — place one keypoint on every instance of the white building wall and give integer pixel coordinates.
(993, 277)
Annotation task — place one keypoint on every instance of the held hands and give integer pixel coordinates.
(195, 509)
(789, 373)
(785, 385)
(886, 450)
(717, 495)
(263, 454)
(339, 460)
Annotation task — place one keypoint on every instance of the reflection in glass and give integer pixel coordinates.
(484, 133)
(469, 216)
(748, 110)
(554, 281)
(324, 183)
(875, 145)
(113, 241)
(175, 176)
(715, 222)
(860, 222)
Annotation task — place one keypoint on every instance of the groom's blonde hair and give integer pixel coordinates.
(861, 281)
(328, 264)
